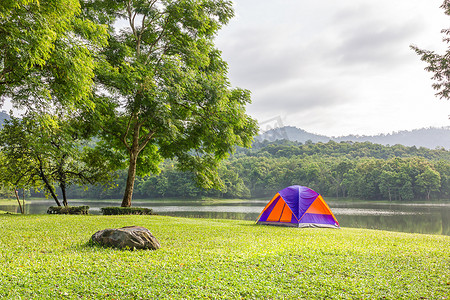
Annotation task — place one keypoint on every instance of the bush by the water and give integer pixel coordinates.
(69, 210)
(126, 211)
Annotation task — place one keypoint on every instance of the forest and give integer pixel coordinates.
(344, 170)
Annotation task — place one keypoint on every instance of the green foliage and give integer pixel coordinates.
(5, 192)
(47, 53)
(217, 259)
(69, 210)
(438, 64)
(429, 181)
(126, 211)
(42, 151)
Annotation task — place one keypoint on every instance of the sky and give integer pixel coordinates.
(337, 67)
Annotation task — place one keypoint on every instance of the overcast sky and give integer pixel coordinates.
(337, 67)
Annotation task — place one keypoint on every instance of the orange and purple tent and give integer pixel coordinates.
(298, 206)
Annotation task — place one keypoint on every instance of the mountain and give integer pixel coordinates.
(292, 134)
(426, 137)
(3, 116)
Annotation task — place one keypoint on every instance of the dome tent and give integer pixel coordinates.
(298, 206)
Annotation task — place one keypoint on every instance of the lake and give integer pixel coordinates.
(428, 218)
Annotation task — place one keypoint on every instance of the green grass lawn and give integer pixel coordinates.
(47, 257)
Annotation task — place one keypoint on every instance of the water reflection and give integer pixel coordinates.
(368, 212)
(416, 218)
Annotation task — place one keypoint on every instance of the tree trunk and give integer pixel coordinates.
(134, 149)
(62, 185)
(18, 200)
(128, 195)
(50, 188)
(62, 178)
(23, 200)
(47, 184)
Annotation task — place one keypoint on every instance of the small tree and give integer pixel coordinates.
(439, 64)
(41, 154)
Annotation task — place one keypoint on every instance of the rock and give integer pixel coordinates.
(132, 237)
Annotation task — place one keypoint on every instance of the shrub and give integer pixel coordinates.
(126, 211)
(69, 210)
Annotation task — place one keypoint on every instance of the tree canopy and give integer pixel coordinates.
(47, 53)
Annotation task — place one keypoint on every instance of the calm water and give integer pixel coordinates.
(416, 218)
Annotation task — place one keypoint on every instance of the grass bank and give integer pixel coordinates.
(47, 257)
(9, 202)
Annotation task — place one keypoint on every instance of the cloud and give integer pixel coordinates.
(375, 43)
(265, 55)
(300, 96)
(262, 57)
(333, 66)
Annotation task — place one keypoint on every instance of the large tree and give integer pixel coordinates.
(162, 91)
(47, 60)
(46, 53)
(439, 64)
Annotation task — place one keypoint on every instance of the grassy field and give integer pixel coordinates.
(48, 257)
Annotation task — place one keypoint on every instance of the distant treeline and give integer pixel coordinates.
(360, 170)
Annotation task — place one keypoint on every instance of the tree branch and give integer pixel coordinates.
(4, 72)
(131, 18)
(152, 46)
(124, 137)
(146, 140)
(139, 37)
(15, 183)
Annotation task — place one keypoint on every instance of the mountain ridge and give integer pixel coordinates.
(3, 116)
(431, 137)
